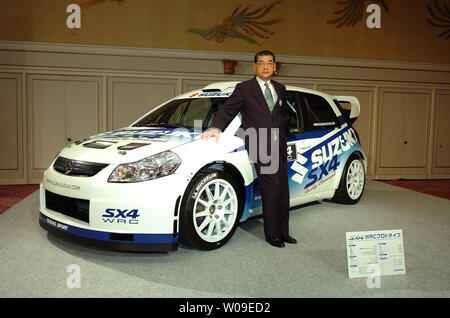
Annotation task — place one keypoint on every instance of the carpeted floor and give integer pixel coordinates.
(35, 264)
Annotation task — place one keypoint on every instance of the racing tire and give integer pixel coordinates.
(352, 183)
(210, 210)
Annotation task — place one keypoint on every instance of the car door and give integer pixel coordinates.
(311, 122)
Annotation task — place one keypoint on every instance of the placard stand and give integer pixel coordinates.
(382, 250)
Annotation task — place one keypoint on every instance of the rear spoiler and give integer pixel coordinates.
(350, 114)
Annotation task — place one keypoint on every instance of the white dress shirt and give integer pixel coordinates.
(262, 84)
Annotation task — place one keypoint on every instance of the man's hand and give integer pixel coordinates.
(213, 132)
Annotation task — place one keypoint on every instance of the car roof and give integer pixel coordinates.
(224, 89)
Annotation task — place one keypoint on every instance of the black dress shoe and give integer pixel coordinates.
(275, 242)
(289, 239)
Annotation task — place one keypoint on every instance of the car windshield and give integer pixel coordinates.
(183, 113)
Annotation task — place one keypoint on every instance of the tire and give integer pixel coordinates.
(353, 179)
(210, 211)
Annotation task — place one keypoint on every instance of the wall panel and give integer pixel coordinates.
(61, 109)
(11, 129)
(130, 98)
(441, 153)
(404, 123)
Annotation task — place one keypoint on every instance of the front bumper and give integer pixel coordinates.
(108, 240)
(127, 217)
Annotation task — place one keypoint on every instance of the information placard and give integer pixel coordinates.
(375, 249)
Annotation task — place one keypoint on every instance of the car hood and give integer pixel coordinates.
(128, 144)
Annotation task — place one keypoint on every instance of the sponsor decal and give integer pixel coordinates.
(202, 183)
(63, 185)
(210, 94)
(156, 135)
(323, 170)
(57, 224)
(333, 148)
(320, 165)
(117, 216)
(299, 168)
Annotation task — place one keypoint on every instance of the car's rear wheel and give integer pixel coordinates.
(351, 186)
(210, 211)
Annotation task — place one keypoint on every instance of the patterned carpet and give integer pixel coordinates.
(438, 188)
(11, 194)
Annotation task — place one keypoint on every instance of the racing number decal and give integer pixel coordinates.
(291, 152)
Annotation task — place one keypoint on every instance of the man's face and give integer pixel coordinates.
(264, 67)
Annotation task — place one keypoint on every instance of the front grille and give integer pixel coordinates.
(77, 168)
(75, 208)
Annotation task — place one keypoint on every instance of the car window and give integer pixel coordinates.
(177, 114)
(183, 113)
(198, 110)
(319, 111)
(296, 124)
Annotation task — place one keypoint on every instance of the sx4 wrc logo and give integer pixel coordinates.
(121, 216)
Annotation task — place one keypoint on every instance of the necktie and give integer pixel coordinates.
(268, 96)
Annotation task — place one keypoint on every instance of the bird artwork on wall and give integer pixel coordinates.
(439, 17)
(352, 11)
(247, 20)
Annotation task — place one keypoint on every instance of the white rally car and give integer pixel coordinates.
(155, 183)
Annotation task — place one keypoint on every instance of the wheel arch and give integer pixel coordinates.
(356, 153)
(230, 169)
(360, 155)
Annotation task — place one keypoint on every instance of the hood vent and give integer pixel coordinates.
(133, 145)
(99, 144)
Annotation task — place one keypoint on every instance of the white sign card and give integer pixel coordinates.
(380, 249)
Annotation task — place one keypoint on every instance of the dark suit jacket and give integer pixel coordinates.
(248, 99)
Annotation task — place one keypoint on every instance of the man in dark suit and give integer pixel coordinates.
(262, 104)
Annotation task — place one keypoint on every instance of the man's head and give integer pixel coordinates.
(264, 65)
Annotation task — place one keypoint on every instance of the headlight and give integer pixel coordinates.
(149, 168)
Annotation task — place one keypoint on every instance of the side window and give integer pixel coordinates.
(296, 124)
(319, 112)
(216, 104)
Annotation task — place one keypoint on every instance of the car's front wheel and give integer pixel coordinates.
(210, 211)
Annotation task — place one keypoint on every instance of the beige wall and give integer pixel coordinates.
(302, 29)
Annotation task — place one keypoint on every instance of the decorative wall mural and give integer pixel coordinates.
(352, 11)
(87, 4)
(440, 17)
(247, 20)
